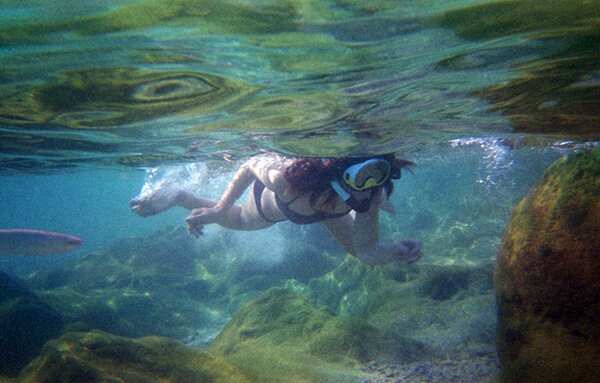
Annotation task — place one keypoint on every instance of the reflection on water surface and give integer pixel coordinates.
(137, 82)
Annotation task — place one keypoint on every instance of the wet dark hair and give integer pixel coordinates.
(313, 175)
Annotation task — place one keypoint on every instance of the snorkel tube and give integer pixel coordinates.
(361, 206)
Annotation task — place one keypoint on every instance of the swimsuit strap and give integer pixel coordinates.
(257, 190)
(284, 207)
(302, 219)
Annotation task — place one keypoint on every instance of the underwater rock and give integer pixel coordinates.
(546, 278)
(115, 289)
(444, 284)
(25, 325)
(449, 309)
(282, 337)
(186, 286)
(305, 263)
(12, 288)
(101, 357)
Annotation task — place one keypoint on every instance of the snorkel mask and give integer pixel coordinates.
(360, 177)
(369, 174)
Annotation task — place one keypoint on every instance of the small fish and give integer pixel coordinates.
(36, 242)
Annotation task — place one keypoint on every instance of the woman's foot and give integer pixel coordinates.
(156, 202)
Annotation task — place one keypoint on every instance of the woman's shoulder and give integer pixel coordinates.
(274, 157)
(270, 168)
(271, 162)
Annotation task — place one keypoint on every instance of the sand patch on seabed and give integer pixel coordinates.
(482, 369)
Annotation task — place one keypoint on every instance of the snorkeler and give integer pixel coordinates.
(345, 194)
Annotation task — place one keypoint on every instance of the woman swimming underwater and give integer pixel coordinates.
(345, 194)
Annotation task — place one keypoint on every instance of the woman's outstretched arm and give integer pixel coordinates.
(358, 234)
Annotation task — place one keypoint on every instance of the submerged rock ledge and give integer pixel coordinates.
(278, 337)
(100, 357)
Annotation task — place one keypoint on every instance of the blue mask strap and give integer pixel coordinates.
(361, 206)
(340, 190)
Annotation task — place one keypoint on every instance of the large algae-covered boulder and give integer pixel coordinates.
(280, 337)
(25, 325)
(547, 278)
(102, 357)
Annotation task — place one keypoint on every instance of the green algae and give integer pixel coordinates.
(569, 187)
(391, 313)
(280, 337)
(546, 277)
(98, 356)
(577, 180)
(578, 170)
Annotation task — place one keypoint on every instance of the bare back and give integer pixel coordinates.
(270, 170)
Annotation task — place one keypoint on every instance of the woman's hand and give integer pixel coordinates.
(200, 217)
(407, 251)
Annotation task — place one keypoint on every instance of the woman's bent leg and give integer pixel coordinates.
(164, 199)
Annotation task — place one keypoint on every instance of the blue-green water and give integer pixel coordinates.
(483, 99)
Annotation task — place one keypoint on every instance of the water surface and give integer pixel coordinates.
(136, 83)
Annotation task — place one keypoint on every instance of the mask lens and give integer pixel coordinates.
(368, 174)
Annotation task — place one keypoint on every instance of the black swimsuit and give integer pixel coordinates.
(290, 214)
